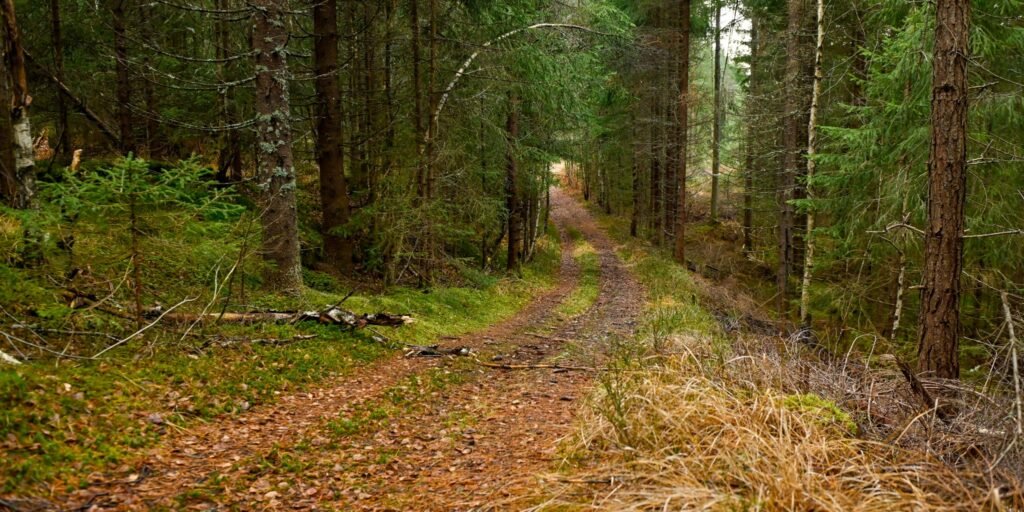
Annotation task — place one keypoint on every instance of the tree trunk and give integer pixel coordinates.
(123, 88)
(276, 174)
(716, 142)
(634, 219)
(512, 202)
(229, 159)
(790, 153)
(417, 98)
(812, 147)
(7, 181)
(748, 174)
(334, 201)
(152, 126)
(63, 151)
(684, 91)
(657, 190)
(389, 95)
(947, 193)
(20, 180)
(367, 166)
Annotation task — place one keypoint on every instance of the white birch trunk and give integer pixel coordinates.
(812, 143)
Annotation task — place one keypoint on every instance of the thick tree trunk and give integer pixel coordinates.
(947, 193)
(790, 153)
(276, 173)
(684, 100)
(123, 86)
(716, 142)
(812, 148)
(334, 201)
(512, 202)
(20, 180)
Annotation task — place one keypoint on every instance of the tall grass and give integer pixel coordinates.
(690, 417)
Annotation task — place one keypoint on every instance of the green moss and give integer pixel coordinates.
(824, 411)
(59, 423)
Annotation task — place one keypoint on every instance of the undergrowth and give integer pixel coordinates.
(64, 414)
(689, 416)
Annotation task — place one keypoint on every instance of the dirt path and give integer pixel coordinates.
(407, 433)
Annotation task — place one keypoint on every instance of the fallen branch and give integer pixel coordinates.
(1013, 357)
(330, 316)
(538, 367)
(435, 351)
(552, 338)
(920, 391)
(9, 359)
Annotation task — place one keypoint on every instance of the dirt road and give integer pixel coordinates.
(406, 433)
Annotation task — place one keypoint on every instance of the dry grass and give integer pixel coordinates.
(693, 432)
(739, 418)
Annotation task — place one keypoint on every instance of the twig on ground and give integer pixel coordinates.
(12, 338)
(552, 338)
(538, 367)
(7, 358)
(143, 329)
(217, 286)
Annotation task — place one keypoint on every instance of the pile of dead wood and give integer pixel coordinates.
(333, 315)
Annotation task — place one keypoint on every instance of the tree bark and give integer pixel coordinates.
(812, 148)
(790, 153)
(684, 100)
(276, 173)
(334, 201)
(20, 180)
(512, 202)
(750, 159)
(716, 143)
(947, 194)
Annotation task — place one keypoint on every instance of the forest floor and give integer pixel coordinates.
(408, 433)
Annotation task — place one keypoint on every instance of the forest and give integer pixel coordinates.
(512, 255)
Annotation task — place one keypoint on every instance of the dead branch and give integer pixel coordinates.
(333, 315)
(920, 391)
(144, 328)
(1013, 357)
(538, 367)
(435, 351)
(9, 359)
(105, 129)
